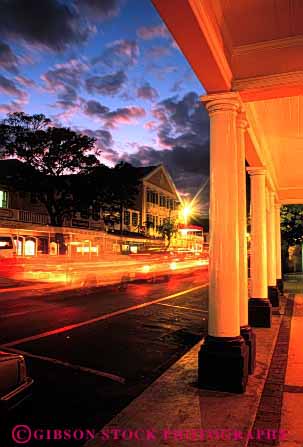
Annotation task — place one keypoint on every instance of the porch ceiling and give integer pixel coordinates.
(254, 48)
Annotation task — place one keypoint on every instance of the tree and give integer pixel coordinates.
(168, 230)
(53, 153)
(292, 224)
(121, 190)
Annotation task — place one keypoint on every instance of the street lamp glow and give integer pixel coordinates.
(186, 212)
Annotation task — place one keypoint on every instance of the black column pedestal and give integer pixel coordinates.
(259, 312)
(274, 296)
(250, 339)
(280, 285)
(223, 364)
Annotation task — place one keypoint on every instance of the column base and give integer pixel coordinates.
(274, 296)
(259, 312)
(280, 285)
(223, 364)
(250, 339)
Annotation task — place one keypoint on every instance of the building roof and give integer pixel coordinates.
(9, 168)
(142, 171)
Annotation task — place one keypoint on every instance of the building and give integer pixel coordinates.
(157, 200)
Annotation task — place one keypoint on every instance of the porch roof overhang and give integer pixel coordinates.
(254, 48)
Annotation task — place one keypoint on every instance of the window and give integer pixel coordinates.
(149, 196)
(126, 217)
(135, 219)
(3, 199)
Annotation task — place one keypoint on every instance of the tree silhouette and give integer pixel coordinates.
(52, 154)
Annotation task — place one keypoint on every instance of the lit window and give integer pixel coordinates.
(134, 219)
(30, 248)
(3, 199)
(126, 217)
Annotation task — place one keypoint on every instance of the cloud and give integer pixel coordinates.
(182, 121)
(98, 9)
(104, 143)
(182, 127)
(157, 52)
(14, 106)
(50, 24)
(146, 91)
(8, 87)
(152, 32)
(65, 80)
(68, 73)
(8, 60)
(119, 54)
(151, 125)
(94, 108)
(124, 115)
(161, 71)
(26, 82)
(104, 137)
(106, 85)
(111, 119)
(67, 98)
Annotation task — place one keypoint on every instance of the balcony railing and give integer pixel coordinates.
(35, 218)
(10, 214)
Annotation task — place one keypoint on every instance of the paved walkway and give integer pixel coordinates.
(292, 409)
(173, 411)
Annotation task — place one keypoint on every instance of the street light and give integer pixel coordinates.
(186, 212)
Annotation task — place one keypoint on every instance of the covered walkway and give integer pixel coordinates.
(248, 57)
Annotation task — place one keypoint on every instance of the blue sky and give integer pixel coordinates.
(108, 68)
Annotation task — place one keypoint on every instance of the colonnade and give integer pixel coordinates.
(227, 355)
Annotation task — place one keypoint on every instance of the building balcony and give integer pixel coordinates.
(8, 215)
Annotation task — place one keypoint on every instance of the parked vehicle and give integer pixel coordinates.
(7, 247)
(15, 385)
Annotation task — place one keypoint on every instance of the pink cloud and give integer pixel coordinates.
(124, 115)
(150, 125)
(151, 32)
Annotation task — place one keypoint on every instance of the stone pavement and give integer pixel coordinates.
(174, 411)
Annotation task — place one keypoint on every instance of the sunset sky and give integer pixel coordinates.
(110, 69)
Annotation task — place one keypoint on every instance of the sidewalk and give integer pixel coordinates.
(174, 411)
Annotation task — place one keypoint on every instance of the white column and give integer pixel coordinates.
(223, 319)
(278, 242)
(271, 241)
(258, 234)
(243, 269)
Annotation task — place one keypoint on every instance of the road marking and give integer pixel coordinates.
(100, 318)
(183, 307)
(96, 372)
(17, 314)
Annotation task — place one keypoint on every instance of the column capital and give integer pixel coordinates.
(222, 102)
(256, 171)
(278, 205)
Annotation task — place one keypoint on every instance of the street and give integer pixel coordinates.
(90, 352)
